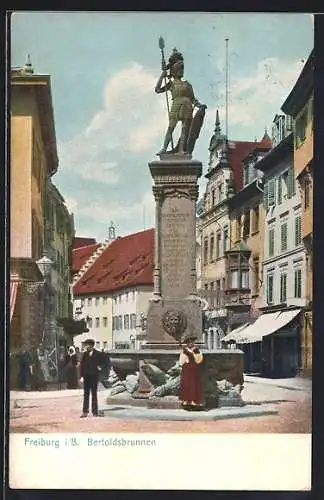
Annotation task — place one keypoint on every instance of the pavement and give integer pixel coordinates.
(293, 383)
(268, 407)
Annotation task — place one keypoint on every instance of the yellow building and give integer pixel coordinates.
(33, 161)
(299, 105)
(244, 288)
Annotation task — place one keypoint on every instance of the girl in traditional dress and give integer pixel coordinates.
(191, 383)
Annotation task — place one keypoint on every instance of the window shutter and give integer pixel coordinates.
(272, 193)
(265, 196)
(297, 230)
(280, 190)
(284, 238)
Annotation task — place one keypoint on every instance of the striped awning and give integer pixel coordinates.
(13, 296)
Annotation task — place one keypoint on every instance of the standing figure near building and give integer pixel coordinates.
(191, 383)
(90, 367)
(71, 364)
(183, 102)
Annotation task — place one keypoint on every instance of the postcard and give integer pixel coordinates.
(161, 180)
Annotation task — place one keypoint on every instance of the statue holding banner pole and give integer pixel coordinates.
(183, 104)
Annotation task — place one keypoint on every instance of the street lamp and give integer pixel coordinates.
(44, 265)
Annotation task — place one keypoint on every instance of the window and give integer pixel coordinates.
(220, 192)
(82, 302)
(255, 219)
(97, 322)
(306, 193)
(105, 321)
(238, 228)
(205, 251)
(234, 279)
(213, 197)
(218, 292)
(297, 230)
(283, 287)
(105, 345)
(256, 269)
(98, 345)
(89, 322)
(271, 242)
(211, 249)
(300, 128)
(246, 175)
(271, 193)
(212, 296)
(218, 244)
(133, 320)
(279, 192)
(225, 239)
(89, 301)
(284, 236)
(104, 300)
(114, 322)
(119, 298)
(97, 301)
(126, 296)
(120, 323)
(133, 295)
(245, 279)
(246, 224)
(270, 288)
(298, 283)
(126, 321)
(290, 183)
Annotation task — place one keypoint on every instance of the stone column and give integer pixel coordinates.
(174, 310)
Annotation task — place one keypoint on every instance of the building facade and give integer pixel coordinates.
(33, 291)
(299, 105)
(112, 291)
(225, 178)
(284, 260)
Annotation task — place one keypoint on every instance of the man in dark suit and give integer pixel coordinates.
(90, 366)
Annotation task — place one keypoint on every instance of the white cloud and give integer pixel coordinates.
(138, 215)
(255, 99)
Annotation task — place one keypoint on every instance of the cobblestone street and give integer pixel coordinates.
(59, 411)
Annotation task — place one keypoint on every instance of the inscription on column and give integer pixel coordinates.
(176, 247)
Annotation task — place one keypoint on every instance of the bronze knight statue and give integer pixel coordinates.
(183, 104)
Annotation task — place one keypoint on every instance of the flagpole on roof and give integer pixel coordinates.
(226, 90)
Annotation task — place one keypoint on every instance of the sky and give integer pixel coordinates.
(109, 122)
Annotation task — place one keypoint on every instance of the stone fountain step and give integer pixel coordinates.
(128, 411)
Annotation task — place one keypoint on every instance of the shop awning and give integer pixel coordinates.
(13, 296)
(265, 325)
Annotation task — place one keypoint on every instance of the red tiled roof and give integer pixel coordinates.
(126, 262)
(81, 255)
(237, 151)
(83, 242)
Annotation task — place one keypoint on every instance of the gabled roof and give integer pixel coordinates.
(302, 89)
(284, 148)
(237, 151)
(126, 262)
(81, 254)
(83, 242)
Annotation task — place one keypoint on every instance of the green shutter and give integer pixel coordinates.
(272, 193)
(265, 196)
(271, 242)
(284, 238)
(297, 230)
(280, 190)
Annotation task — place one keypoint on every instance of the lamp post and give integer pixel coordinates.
(45, 265)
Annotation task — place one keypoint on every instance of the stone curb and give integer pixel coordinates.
(183, 415)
